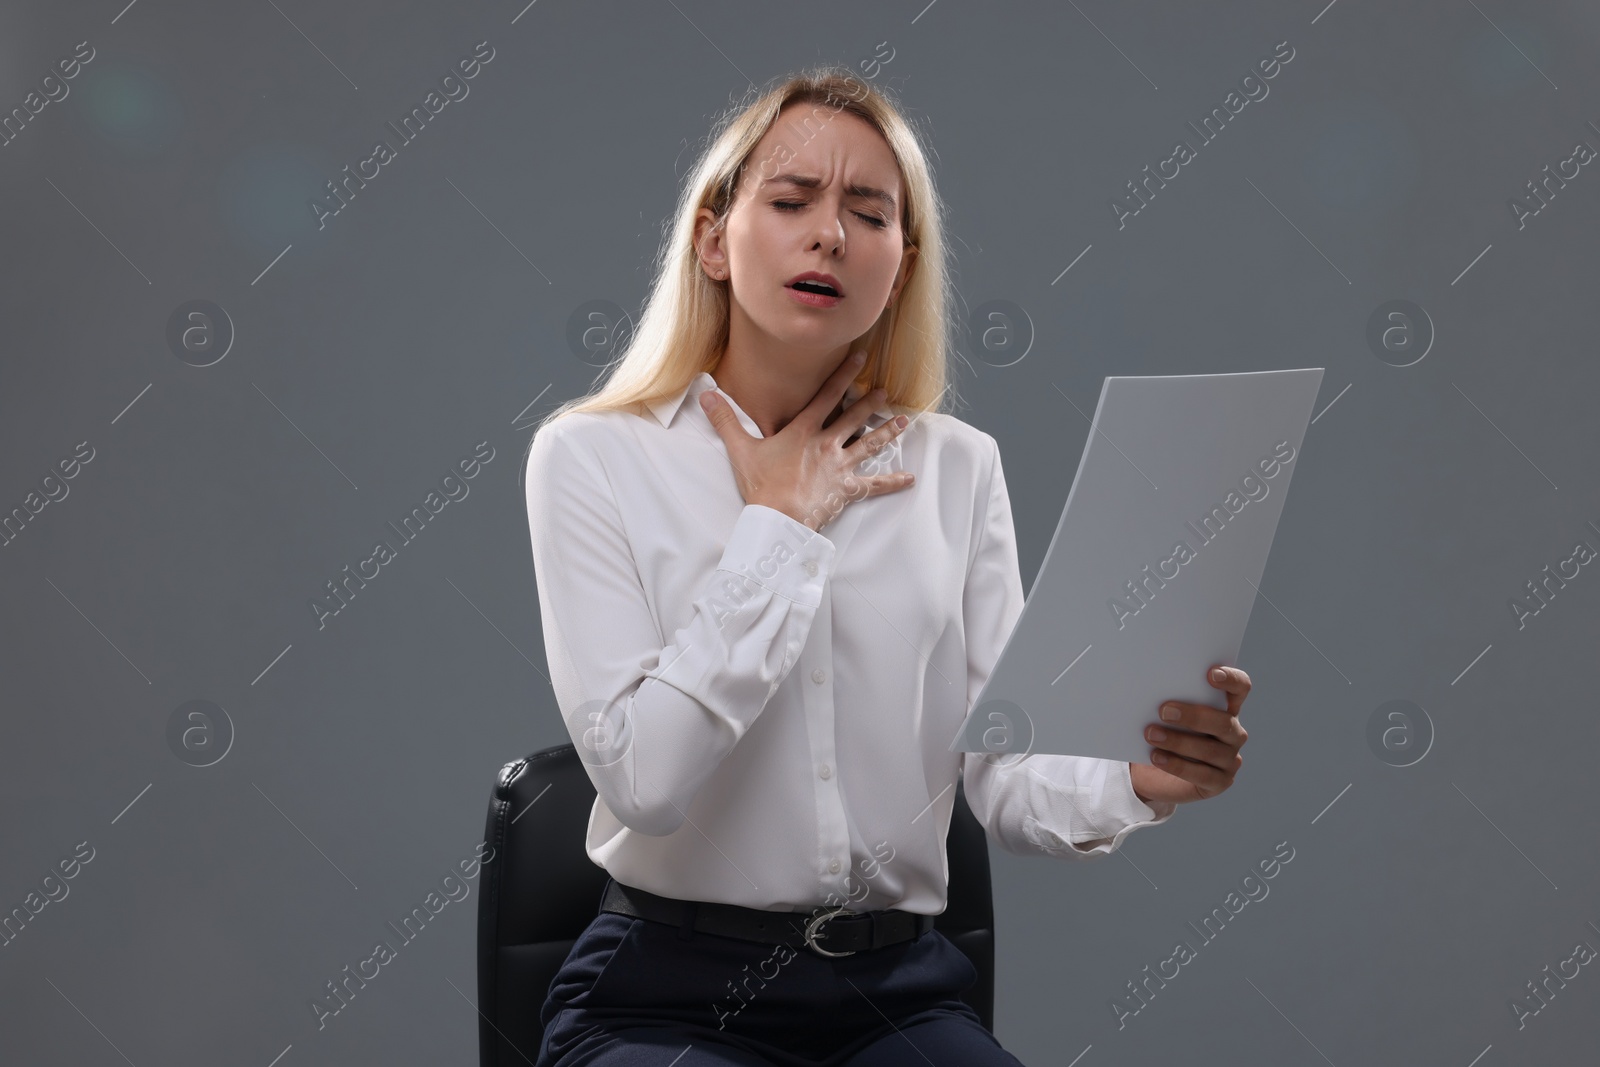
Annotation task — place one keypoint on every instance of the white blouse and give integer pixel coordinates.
(766, 712)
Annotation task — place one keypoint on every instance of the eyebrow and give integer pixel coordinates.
(806, 181)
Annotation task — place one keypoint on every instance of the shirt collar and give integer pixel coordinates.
(665, 408)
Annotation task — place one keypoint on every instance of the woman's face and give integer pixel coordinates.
(821, 192)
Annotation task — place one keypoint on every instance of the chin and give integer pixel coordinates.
(810, 329)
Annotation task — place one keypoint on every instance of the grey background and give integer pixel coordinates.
(373, 354)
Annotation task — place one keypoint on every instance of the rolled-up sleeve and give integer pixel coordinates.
(653, 721)
(1057, 805)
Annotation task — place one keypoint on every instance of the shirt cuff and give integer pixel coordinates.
(1108, 819)
(778, 553)
(1131, 813)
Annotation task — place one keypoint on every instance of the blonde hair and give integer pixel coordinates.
(684, 326)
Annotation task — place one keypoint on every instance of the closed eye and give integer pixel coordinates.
(796, 205)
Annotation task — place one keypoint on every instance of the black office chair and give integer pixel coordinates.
(539, 890)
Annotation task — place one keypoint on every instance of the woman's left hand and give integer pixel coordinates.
(1200, 758)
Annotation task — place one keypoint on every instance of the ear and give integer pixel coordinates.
(908, 261)
(709, 246)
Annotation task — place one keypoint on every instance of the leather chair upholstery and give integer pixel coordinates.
(539, 891)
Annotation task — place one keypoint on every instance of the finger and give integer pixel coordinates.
(832, 390)
(1205, 719)
(724, 421)
(870, 444)
(1234, 682)
(879, 484)
(854, 418)
(1196, 747)
(1207, 780)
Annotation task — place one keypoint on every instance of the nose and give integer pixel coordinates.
(830, 231)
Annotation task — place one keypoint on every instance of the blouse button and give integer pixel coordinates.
(811, 567)
(819, 676)
(826, 772)
(833, 868)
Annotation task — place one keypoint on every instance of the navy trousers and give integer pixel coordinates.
(634, 992)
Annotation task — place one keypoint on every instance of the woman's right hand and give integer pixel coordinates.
(804, 470)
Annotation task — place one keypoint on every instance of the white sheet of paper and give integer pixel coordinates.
(1154, 565)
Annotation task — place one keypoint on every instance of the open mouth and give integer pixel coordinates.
(815, 287)
(815, 294)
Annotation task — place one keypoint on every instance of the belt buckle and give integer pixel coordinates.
(820, 917)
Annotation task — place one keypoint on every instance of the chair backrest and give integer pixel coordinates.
(539, 890)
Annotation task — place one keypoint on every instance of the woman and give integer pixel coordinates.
(767, 612)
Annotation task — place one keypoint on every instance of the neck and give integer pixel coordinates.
(769, 380)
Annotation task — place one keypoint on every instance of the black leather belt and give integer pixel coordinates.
(827, 931)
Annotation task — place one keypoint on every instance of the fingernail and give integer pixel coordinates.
(859, 358)
(707, 398)
(1218, 675)
(1169, 712)
(900, 421)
